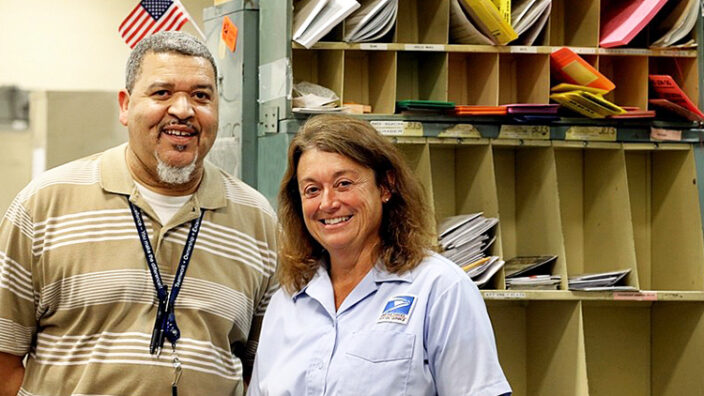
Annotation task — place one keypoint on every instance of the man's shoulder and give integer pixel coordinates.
(81, 172)
(239, 193)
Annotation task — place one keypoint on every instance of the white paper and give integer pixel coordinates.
(488, 273)
(332, 14)
(380, 26)
(309, 95)
(304, 13)
(530, 35)
(361, 18)
(681, 22)
(529, 16)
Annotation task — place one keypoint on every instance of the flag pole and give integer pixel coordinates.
(190, 18)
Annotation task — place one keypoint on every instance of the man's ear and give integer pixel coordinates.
(123, 98)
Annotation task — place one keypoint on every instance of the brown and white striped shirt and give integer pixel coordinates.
(76, 294)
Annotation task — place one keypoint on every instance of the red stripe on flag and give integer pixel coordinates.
(141, 27)
(136, 8)
(166, 18)
(131, 28)
(147, 30)
(178, 17)
(182, 23)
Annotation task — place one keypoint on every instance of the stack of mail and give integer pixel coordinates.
(465, 239)
(483, 269)
(674, 24)
(498, 22)
(372, 21)
(534, 282)
(529, 18)
(604, 281)
(314, 98)
(313, 19)
(532, 272)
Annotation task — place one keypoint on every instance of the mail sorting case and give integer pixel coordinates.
(600, 208)
(493, 75)
(597, 206)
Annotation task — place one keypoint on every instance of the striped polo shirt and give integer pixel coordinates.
(77, 297)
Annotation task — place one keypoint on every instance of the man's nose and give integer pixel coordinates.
(181, 107)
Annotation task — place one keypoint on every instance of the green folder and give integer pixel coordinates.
(424, 104)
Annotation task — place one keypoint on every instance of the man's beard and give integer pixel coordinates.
(173, 174)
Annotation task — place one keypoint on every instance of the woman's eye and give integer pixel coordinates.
(344, 184)
(310, 191)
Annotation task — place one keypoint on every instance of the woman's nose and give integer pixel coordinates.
(329, 199)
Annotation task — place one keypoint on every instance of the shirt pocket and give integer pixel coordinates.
(379, 363)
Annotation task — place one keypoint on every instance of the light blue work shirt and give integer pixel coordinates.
(424, 332)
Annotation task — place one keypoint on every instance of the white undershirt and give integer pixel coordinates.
(165, 206)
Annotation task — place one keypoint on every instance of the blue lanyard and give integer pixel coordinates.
(165, 324)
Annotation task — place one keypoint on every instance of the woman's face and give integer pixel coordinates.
(341, 202)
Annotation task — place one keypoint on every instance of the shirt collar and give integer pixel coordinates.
(115, 177)
(321, 275)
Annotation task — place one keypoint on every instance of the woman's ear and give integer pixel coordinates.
(388, 187)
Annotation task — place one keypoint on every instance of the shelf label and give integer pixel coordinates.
(675, 53)
(585, 51)
(508, 131)
(374, 46)
(398, 128)
(507, 295)
(636, 296)
(522, 49)
(597, 133)
(625, 51)
(424, 47)
(461, 131)
(670, 135)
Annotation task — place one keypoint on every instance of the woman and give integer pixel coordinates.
(366, 307)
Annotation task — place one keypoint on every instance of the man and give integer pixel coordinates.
(94, 304)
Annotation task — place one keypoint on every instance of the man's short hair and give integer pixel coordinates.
(179, 42)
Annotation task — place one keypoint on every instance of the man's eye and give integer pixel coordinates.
(201, 96)
(161, 92)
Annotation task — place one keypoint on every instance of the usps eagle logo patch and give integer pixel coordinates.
(398, 309)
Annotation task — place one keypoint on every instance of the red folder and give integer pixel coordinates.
(625, 19)
(666, 88)
(571, 68)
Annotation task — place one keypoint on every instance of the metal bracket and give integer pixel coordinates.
(269, 120)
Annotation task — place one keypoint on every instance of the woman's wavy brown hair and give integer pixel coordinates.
(406, 230)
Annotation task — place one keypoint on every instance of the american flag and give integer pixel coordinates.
(151, 16)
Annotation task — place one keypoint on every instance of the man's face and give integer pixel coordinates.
(171, 114)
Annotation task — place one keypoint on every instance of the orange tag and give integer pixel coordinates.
(229, 33)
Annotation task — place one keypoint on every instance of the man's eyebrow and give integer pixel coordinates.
(159, 84)
(204, 86)
(168, 85)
